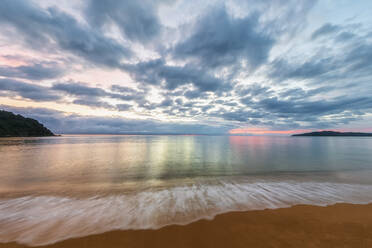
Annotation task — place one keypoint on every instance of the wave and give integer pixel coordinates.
(42, 220)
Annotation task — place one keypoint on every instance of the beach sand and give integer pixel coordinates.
(340, 225)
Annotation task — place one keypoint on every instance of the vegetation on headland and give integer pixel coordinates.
(333, 133)
(12, 125)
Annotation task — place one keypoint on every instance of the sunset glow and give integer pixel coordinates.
(264, 131)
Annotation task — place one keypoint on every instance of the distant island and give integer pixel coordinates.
(12, 125)
(333, 133)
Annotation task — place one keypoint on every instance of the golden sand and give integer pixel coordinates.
(340, 225)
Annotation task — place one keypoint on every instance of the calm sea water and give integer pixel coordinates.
(80, 185)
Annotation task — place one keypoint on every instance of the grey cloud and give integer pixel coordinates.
(123, 89)
(360, 58)
(42, 28)
(329, 64)
(156, 72)
(326, 29)
(226, 103)
(300, 94)
(79, 89)
(283, 70)
(60, 122)
(353, 62)
(123, 107)
(206, 108)
(191, 65)
(166, 103)
(179, 101)
(296, 105)
(192, 94)
(222, 40)
(97, 103)
(93, 102)
(241, 116)
(137, 20)
(37, 71)
(317, 108)
(86, 95)
(27, 90)
(127, 94)
(345, 36)
(147, 105)
(252, 90)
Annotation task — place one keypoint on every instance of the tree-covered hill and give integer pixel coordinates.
(12, 125)
(333, 133)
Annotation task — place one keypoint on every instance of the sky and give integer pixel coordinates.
(191, 67)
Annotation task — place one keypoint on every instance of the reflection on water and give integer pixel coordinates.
(132, 162)
(60, 187)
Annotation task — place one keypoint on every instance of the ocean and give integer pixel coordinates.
(77, 185)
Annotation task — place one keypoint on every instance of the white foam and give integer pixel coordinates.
(29, 220)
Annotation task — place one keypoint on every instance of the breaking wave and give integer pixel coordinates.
(30, 219)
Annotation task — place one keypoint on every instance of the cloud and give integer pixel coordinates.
(359, 58)
(241, 115)
(27, 90)
(345, 36)
(86, 95)
(326, 29)
(123, 107)
(313, 68)
(60, 122)
(301, 94)
(157, 72)
(79, 89)
(254, 89)
(297, 107)
(327, 63)
(220, 39)
(93, 102)
(192, 94)
(43, 28)
(237, 63)
(137, 20)
(37, 71)
(317, 108)
(127, 94)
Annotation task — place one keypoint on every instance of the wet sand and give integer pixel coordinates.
(340, 225)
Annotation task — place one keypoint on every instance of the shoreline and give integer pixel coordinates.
(339, 225)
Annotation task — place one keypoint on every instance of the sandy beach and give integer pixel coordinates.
(340, 225)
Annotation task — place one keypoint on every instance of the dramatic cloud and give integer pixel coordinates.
(79, 89)
(90, 95)
(38, 71)
(318, 108)
(93, 102)
(60, 122)
(27, 90)
(137, 20)
(46, 27)
(156, 72)
(185, 66)
(349, 64)
(222, 40)
(327, 28)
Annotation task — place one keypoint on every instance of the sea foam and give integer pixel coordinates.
(41, 220)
